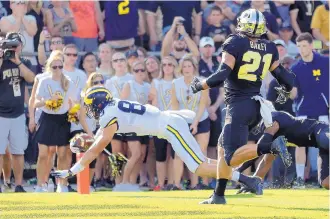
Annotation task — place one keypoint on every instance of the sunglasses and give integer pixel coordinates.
(167, 64)
(56, 42)
(118, 60)
(139, 70)
(98, 82)
(57, 67)
(71, 54)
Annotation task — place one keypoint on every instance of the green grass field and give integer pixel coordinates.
(182, 204)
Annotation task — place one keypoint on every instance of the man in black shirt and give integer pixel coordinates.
(14, 74)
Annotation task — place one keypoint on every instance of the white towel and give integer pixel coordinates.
(266, 109)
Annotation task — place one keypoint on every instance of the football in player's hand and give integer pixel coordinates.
(81, 143)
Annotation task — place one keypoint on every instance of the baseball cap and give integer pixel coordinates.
(206, 41)
(279, 43)
(13, 36)
(131, 53)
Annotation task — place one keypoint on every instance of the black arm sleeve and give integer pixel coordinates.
(284, 77)
(219, 76)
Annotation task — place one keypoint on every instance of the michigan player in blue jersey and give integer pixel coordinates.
(300, 132)
(246, 59)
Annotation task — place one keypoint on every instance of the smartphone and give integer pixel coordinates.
(317, 44)
(181, 21)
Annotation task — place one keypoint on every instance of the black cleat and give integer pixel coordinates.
(279, 148)
(19, 188)
(253, 184)
(214, 199)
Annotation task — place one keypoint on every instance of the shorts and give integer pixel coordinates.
(53, 129)
(161, 149)
(324, 172)
(72, 134)
(119, 137)
(13, 132)
(240, 118)
(184, 144)
(203, 126)
(134, 137)
(215, 129)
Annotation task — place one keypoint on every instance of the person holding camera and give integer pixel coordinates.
(14, 73)
(177, 41)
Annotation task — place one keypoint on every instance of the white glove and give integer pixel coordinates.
(62, 174)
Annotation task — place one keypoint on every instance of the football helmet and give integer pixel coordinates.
(95, 100)
(251, 23)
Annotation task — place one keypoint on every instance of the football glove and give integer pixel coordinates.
(196, 85)
(283, 95)
(117, 161)
(62, 174)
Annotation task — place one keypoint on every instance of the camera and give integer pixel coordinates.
(8, 46)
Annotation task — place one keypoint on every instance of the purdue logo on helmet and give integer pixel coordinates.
(251, 23)
(95, 100)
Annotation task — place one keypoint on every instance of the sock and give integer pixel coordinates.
(235, 176)
(243, 178)
(77, 168)
(264, 144)
(221, 187)
(300, 168)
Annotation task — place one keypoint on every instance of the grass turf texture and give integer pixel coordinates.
(177, 204)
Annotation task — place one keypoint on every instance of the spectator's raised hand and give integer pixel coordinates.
(181, 30)
(177, 21)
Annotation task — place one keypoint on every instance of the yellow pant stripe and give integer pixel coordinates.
(184, 144)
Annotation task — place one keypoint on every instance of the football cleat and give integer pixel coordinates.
(279, 148)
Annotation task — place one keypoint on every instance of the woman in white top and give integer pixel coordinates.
(183, 98)
(115, 85)
(161, 97)
(136, 90)
(153, 67)
(105, 61)
(53, 127)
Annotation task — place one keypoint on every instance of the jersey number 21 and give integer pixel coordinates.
(246, 71)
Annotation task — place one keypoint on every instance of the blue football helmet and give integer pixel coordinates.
(95, 100)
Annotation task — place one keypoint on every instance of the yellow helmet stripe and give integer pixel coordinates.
(89, 100)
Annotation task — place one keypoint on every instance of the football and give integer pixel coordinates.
(82, 142)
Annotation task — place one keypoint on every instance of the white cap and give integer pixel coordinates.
(279, 42)
(206, 41)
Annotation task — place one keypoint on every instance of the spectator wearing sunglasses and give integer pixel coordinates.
(53, 133)
(183, 98)
(160, 93)
(135, 90)
(18, 21)
(89, 63)
(56, 43)
(115, 86)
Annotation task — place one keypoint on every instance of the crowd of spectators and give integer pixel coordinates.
(148, 51)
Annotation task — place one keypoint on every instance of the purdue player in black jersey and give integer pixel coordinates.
(299, 132)
(246, 59)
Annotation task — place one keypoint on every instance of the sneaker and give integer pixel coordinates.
(62, 188)
(70, 189)
(157, 188)
(278, 147)
(19, 188)
(299, 184)
(201, 186)
(175, 188)
(98, 185)
(7, 187)
(168, 187)
(214, 199)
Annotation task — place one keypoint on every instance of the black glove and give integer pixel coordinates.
(283, 95)
(196, 85)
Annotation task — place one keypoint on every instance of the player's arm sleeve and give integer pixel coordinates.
(219, 76)
(272, 94)
(284, 77)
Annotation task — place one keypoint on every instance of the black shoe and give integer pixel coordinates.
(254, 185)
(279, 148)
(175, 188)
(201, 186)
(70, 189)
(299, 184)
(214, 199)
(19, 188)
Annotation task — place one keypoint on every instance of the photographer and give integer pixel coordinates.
(14, 73)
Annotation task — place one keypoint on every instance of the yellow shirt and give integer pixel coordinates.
(320, 21)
